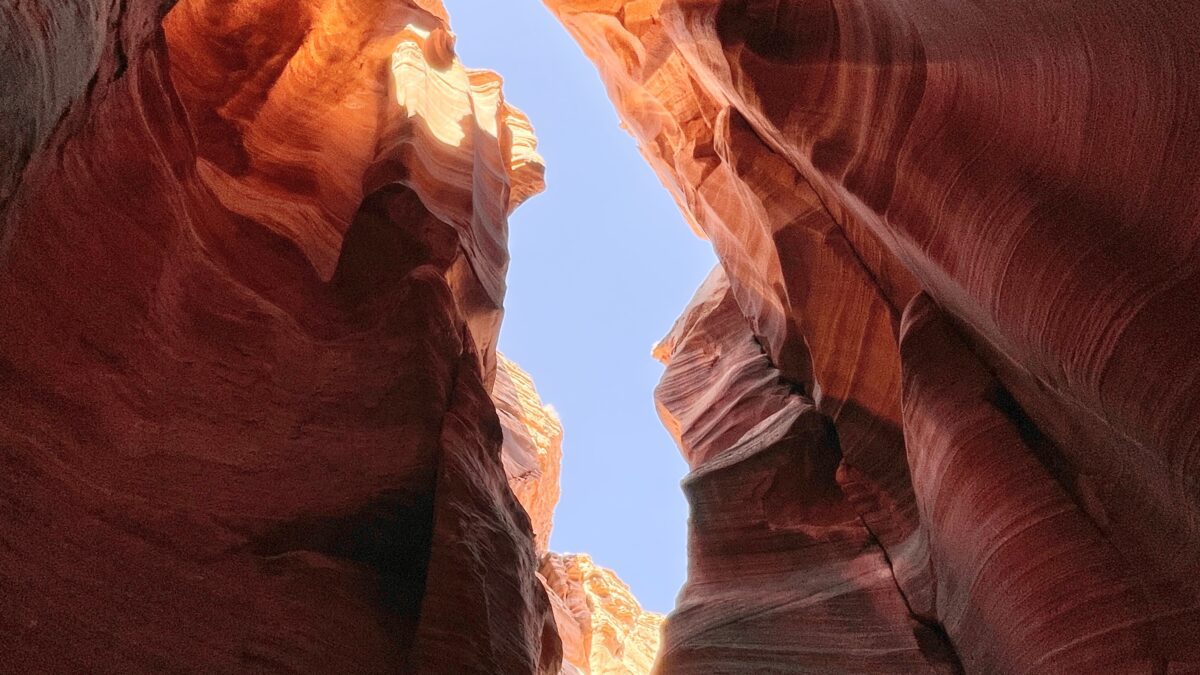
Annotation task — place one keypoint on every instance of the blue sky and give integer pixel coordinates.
(602, 264)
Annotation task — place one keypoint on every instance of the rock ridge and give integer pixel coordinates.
(928, 213)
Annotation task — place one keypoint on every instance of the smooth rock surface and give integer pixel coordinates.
(604, 630)
(532, 450)
(783, 574)
(941, 401)
(252, 270)
(1030, 169)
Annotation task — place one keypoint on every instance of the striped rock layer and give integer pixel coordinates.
(943, 411)
(603, 628)
(941, 401)
(252, 260)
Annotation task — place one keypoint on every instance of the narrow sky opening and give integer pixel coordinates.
(602, 264)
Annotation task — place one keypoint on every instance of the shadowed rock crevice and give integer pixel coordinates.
(389, 536)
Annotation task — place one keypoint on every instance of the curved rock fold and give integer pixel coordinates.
(1023, 448)
(252, 267)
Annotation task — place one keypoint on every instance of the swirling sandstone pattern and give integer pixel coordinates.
(1022, 176)
(251, 270)
(941, 401)
(783, 574)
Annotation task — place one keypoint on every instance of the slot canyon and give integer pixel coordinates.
(940, 398)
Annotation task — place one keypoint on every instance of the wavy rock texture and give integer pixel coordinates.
(1028, 460)
(252, 270)
(532, 450)
(604, 629)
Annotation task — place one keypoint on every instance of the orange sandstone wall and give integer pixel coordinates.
(532, 450)
(940, 401)
(965, 235)
(604, 629)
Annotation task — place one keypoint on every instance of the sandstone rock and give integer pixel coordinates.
(252, 272)
(532, 450)
(1030, 169)
(783, 575)
(1026, 581)
(252, 261)
(604, 629)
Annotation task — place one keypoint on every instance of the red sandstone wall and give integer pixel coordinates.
(1024, 450)
(942, 411)
(251, 273)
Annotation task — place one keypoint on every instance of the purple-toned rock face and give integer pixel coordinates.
(1026, 452)
(941, 399)
(251, 270)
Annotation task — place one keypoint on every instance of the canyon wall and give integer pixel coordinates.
(603, 628)
(941, 402)
(532, 449)
(252, 261)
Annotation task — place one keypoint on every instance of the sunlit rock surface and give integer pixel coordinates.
(604, 630)
(1024, 174)
(532, 450)
(252, 270)
(602, 626)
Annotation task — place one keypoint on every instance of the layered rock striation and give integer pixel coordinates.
(940, 400)
(783, 573)
(604, 629)
(252, 261)
(965, 236)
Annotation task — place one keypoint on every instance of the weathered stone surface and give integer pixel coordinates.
(251, 272)
(1030, 169)
(1026, 581)
(604, 630)
(602, 627)
(783, 575)
(532, 451)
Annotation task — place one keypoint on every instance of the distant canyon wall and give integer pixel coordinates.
(252, 261)
(603, 628)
